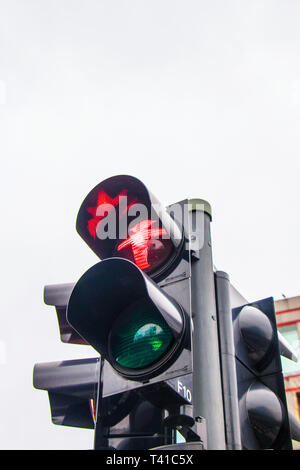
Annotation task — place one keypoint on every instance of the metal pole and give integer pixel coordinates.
(207, 385)
(229, 381)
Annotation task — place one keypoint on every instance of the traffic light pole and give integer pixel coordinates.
(207, 385)
(229, 382)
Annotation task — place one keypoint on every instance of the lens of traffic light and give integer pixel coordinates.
(139, 337)
(121, 218)
(146, 246)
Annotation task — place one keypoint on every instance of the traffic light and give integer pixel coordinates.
(134, 307)
(264, 419)
(179, 348)
(121, 218)
(71, 385)
(254, 402)
(138, 325)
(72, 389)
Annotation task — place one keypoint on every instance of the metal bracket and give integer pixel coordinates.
(192, 429)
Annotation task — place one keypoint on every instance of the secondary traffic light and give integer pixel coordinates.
(71, 385)
(72, 390)
(264, 420)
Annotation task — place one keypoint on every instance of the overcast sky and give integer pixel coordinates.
(196, 98)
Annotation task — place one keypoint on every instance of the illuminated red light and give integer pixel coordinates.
(103, 199)
(93, 409)
(140, 234)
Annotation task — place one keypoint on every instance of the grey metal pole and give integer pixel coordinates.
(207, 385)
(100, 442)
(230, 391)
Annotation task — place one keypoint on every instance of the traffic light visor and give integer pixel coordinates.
(127, 318)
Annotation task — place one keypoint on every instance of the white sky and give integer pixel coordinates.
(196, 98)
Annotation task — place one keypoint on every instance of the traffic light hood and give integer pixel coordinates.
(127, 318)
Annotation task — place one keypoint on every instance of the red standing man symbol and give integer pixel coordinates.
(139, 236)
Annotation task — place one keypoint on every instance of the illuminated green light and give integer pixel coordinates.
(140, 336)
(156, 344)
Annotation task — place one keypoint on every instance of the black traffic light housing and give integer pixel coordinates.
(264, 421)
(134, 309)
(129, 320)
(72, 389)
(114, 216)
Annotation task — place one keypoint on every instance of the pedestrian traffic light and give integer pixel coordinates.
(264, 421)
(134, 307)
(140, 326)
(121, 218)
(130, 307)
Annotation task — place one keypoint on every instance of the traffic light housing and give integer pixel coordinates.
(71, 387)
(134, 316)
(264, 420)
(130, 321)
(120, 217)
(134, 307)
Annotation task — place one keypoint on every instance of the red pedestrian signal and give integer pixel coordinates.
(121, 218)
(147, 250)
